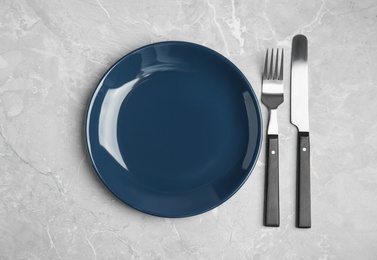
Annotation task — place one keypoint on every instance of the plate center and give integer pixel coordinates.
(170, 133)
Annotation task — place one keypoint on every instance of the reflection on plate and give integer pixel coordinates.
(173, 129)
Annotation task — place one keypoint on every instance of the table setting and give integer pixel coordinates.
(188, 130)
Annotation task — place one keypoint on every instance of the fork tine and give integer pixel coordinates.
(265, 71)
(270, 73)
(281, 65)
(276, 64)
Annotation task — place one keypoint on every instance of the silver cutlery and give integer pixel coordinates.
(272, 97)
(300, 118)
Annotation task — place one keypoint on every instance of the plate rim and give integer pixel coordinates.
(250, 167)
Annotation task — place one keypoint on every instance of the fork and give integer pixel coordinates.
(272, 97)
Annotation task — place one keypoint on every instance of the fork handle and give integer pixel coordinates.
(303, 181)
(272, 214)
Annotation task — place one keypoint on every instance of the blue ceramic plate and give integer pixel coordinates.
(173, 129)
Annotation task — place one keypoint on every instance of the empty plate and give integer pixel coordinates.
(173, 129)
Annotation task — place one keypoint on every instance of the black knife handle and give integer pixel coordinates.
(272, 215)
(303, 181)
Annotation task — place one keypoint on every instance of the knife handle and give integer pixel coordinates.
(303, 181)
(272, 215)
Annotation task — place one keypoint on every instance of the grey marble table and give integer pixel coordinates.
(53, 206)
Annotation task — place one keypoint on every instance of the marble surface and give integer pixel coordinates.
(53, 53)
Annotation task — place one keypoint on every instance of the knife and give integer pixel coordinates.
(300, 118)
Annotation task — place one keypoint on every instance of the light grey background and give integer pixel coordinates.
(52, 54)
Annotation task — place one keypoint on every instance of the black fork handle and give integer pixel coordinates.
(272, 214)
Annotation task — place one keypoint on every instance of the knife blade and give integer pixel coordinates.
(300, 118)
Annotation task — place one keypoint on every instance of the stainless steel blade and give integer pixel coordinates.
(299, 83)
